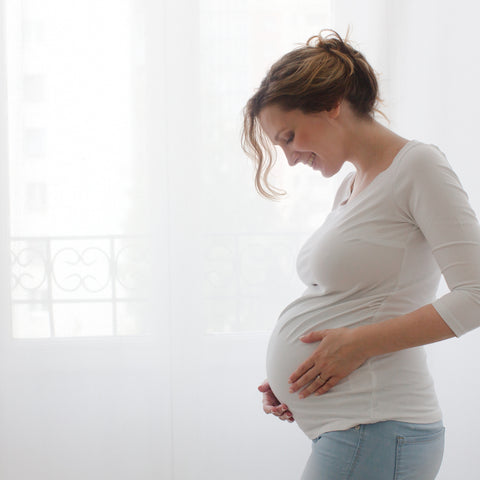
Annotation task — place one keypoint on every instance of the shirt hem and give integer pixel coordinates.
(347, 424)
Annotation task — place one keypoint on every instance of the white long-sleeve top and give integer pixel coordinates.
(377, 256)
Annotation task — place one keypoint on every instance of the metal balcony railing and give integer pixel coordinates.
(74, 286)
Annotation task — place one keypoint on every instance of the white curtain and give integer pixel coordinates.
(140, 272)
(427, 56)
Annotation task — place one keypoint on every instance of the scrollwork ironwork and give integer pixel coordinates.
(79, 261)
(49, 273)
(25, 268)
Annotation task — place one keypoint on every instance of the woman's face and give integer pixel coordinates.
(313, 139)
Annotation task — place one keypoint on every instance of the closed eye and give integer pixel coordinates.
(290, 138)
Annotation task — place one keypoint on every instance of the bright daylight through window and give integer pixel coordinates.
(76, 245)
(78, 176)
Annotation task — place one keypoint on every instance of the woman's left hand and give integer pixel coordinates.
(337, 355)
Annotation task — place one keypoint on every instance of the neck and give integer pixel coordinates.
(371, 147)
(368, 145)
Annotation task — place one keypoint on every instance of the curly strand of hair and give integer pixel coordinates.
(260, 150)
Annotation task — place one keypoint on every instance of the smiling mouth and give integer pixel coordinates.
(308, 162)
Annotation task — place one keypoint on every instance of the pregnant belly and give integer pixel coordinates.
(286, 352)
(393, 386)
(283, 358)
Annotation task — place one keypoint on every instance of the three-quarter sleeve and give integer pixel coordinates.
(430, 195)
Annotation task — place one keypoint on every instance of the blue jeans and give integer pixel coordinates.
(379, 451)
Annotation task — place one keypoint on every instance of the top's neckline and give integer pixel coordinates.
(348, 201)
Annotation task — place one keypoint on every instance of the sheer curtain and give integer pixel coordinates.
(426, 54)
(141, 272)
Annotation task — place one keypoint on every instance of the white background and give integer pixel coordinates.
(180, 402)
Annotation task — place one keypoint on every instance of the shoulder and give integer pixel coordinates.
(422, 165)
(418, 157)
(425, 182)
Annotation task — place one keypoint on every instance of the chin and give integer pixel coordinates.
(326, 174)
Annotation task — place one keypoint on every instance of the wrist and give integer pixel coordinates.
(363, 341)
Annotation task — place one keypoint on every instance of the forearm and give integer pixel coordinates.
(420, 327)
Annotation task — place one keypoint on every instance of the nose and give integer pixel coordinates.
(290, 156)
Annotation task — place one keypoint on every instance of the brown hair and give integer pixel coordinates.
(311, 78)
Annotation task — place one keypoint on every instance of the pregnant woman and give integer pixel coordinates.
(346, 359)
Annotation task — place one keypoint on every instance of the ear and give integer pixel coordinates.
(335, 111)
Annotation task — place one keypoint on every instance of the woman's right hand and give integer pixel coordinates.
(271, 404)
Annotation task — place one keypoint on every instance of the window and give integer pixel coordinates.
(251, 244)
(79, 176)
(76, 176)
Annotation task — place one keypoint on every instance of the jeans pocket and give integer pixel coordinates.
(419, 457)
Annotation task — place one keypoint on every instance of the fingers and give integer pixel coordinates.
(278, 409)
(313, 336)
(287, 416)
(310, 362)
(264, 387)
(283, 413)
(271, 405)
(331, 382)
(308, 378)
(315, 383)
(270, 402)
(319, 387)
(301, 370)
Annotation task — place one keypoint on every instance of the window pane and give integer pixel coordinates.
(249, 272)
(79, 286)
(77, 184)
(72, 79)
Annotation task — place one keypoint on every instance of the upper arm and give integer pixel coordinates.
(430, 194)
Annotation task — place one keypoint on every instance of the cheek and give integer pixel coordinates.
(305, 141)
